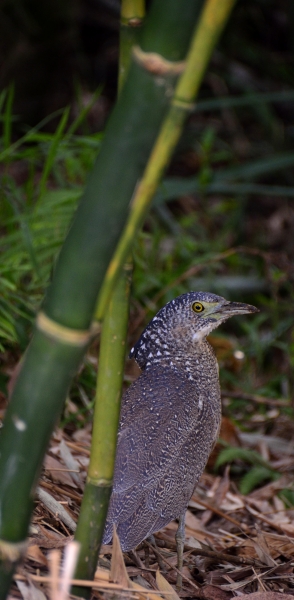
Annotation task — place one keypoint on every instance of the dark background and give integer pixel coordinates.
(52, 50)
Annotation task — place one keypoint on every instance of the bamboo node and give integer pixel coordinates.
(133, 22)
(99, 482)
(75, 337)
(183, 104)
(12, 551)
(156, 64)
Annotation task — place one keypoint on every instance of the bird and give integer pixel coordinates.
(170, 419)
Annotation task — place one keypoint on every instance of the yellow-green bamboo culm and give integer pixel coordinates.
(110, 372)
(211, 23)
(106, 416)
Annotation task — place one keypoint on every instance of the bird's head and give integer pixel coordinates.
(186, 320)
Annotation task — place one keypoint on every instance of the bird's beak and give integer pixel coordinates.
(229, 309)
(238, 308)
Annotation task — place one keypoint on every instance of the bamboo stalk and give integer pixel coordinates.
(209, 28)
(106, 417)
(110, 372)
(131, 18)
(62, 330)
(27, 427)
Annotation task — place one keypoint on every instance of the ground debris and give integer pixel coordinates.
(235, 544)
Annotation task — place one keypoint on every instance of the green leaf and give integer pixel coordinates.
(231, 454)
(255, 477)
(287, 495)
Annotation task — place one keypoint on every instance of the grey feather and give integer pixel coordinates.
(170, 418)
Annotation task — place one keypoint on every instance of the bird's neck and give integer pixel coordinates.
(192, 357)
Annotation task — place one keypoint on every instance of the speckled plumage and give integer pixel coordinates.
(170, 418)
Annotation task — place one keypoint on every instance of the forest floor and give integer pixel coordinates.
(235, 544)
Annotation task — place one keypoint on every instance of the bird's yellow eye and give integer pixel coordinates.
(197, 307)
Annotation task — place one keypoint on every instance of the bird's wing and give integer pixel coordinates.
(167, 429)
(160, 412)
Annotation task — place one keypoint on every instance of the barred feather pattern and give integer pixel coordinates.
(169, 422)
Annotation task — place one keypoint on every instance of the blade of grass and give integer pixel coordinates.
(244, 100)
(250, 188)
(83, 113)
(174, 187)
(258, 168)
(53, 151)
(3, 95)
(16, 200)
(27, 137)
(7, 124)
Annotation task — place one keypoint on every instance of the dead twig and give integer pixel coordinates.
(220, 513)
(257, 399)
(156, 552)
(65, 492)
(222, 557)
(56, 509)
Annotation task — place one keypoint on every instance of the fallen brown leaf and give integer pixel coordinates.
(57, 471)
(164, 587)
(35, 553)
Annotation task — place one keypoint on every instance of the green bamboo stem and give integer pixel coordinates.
(106, 417)
(131, 18)
(62, 331)
(211, 23)
(110, 373)
(27, 427)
